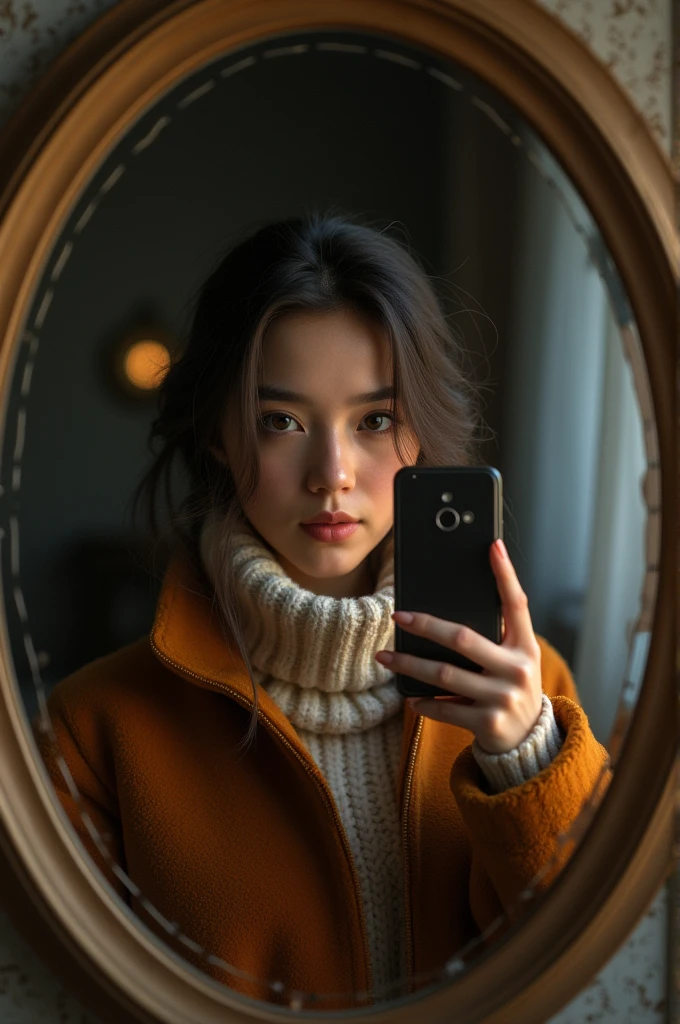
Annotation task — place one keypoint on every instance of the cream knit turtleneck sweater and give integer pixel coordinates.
(315, 657)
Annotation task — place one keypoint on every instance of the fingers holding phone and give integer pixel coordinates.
(470, 640)
(502, 703)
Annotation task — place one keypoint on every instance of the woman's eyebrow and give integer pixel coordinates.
(271, 392)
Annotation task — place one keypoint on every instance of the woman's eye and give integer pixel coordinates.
(281, 421)
(384, 416)
(277, 417)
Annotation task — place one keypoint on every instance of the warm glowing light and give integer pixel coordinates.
(146, 363)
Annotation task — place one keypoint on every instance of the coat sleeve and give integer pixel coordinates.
(79, 782)
(516, 833)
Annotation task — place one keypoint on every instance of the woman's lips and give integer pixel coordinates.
(326, 532)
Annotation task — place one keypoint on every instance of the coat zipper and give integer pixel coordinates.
(407, 865)
(330, 802)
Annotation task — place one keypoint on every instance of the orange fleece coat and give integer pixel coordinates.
(246, 851)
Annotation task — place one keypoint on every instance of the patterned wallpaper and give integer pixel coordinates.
(633, 39)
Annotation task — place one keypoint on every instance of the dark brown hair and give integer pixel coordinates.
(320, 263)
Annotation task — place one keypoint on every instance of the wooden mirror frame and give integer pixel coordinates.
(48, 151)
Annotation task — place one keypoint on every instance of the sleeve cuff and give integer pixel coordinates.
(537, 751)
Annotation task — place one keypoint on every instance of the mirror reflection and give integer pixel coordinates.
(321, 259)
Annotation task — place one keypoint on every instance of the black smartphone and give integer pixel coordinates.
(445, 520)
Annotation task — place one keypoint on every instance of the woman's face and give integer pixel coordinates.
(326, 449)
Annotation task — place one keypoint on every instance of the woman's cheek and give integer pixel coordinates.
(275, 481)
(380, 483)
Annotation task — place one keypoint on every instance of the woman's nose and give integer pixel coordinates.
(331, 464)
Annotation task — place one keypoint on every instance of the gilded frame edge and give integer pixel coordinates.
(531, 36)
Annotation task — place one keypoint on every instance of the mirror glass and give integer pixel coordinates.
(429, 154)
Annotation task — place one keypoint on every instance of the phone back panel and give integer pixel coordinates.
(446, 572)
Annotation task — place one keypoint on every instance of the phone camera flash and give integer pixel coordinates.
(447, 496)
(468, 517)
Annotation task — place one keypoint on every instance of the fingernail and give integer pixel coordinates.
(385, 657)
(501, 548)
(404, 617)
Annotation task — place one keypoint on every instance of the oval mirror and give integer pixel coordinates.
(201, 878)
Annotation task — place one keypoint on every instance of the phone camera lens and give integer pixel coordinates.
(446, 524)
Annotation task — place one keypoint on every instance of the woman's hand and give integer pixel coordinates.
(500, 705)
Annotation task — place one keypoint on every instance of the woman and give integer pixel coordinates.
(270, 805)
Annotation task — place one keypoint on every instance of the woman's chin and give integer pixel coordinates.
(316, 570)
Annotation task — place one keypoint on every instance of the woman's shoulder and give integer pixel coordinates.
(127, 671)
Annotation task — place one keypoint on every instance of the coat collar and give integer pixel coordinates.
(187, 636)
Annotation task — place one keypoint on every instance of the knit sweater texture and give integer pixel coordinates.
(315, 657)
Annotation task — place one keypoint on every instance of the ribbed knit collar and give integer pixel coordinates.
(314, 655)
